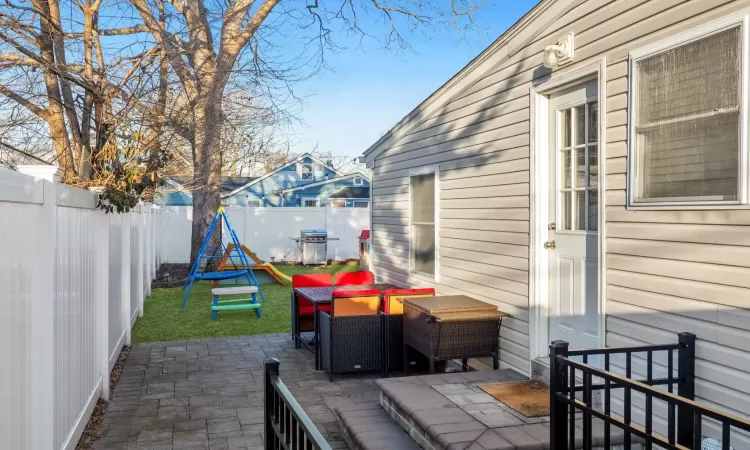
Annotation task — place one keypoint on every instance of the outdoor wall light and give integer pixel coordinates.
(555, 55)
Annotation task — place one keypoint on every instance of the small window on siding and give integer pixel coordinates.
(338, 203)
(306, 172)
(361, 203)
(310, 203)
(687, 133)
(253, 203)
(423, 212)
(358, 181)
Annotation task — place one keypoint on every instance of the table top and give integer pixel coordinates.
(446, 304)
(325, 294)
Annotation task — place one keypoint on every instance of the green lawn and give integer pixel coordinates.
(164, 320)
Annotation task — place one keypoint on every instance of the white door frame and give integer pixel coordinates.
(539, 218)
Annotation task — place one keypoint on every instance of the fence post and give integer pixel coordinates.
(558, 383)
(42, 309)
(685, 387)
(101, 222)
(141, 261)
(270, 368)
(126, 275)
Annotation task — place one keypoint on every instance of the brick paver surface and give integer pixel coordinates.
(208, 394)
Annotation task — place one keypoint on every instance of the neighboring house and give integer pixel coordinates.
(306, 181)
(604, 202)
(351, 197)
(323, 193)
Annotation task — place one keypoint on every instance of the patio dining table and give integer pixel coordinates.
(321, 296)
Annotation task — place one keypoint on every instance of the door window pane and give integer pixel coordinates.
(565, 207)
(580, 208)
(565, 127)
(580, 167)
(566, 169)
(580, 124)
(593, 122)
(593, 166)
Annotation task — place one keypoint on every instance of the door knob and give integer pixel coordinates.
(550, 245)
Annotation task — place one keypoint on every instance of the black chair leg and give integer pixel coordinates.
(465, 363)
(495, 362)
(432, 365)
(406, 359)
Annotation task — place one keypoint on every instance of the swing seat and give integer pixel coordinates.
(220, 275)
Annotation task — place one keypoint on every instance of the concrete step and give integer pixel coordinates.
(368, 427)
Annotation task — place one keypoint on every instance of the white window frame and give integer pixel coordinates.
(302, 173)
(334, 202)
(306, 199)
(358, 181)
(412, 173)
(259, 203)
(706, 30)
(366, 201)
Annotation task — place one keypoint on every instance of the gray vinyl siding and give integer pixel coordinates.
(667, 271)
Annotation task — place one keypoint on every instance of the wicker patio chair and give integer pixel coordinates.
(393, 309)
(354, 279)
(351, 336)
(303, 320)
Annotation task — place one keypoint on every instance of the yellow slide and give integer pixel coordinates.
(227, 263)
(278, 273)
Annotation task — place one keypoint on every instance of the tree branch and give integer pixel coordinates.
(40, 112)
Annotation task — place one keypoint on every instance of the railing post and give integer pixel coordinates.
(685, 387)
(271, 368)
(558, 383)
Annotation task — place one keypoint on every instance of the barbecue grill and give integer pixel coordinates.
(313, 243)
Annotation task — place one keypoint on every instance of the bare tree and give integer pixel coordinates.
(207, 42)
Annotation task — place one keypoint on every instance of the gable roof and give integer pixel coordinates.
(277, 170)
(508, 44)
(352, 192)
(330, 180)
(229, 184)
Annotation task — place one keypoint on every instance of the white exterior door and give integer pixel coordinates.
(573, 211)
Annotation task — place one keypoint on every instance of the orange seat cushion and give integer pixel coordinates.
(393, 301)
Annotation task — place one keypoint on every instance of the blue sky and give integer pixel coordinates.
(368, 90)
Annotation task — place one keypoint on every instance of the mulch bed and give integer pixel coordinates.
(95, 426)
(171, 275)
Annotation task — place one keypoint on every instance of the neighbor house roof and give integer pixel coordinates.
(508, 44)
(276, 170)
(330, 180)
(352, 192)
(229, 184)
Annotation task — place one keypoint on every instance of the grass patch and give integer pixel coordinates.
(164, 320)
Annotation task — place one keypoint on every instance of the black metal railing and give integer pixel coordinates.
(287, 425)
(572, 384)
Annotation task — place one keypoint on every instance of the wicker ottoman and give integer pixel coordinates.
(451, 327)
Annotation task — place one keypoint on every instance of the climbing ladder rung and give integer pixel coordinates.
(236, 300)
(235, 307)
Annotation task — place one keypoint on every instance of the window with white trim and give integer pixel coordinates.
(361, 203)
(253, 203)
(338, 203)
(422, 188)
(310, 203)
(687, 139)
(358, 181)
(306, 171)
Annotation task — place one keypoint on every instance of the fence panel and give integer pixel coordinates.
(20, 281)
(77, 374)
(267, 231)
(116, 327)
(136, 273)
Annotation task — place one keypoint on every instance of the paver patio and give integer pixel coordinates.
(208, 394)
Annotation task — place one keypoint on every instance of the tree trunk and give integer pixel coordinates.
(207, 167)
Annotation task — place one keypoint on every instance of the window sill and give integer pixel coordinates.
(424, 277)
(689, 207)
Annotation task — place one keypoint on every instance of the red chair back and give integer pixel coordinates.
(312, 280)
(354, 279)
(356, 303)
(393, 300)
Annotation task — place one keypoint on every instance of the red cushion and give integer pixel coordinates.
(354, 278)
(309, 310)
(355, 293)
(312, 280)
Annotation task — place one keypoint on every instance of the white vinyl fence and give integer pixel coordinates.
(72, 282)
(267, 231)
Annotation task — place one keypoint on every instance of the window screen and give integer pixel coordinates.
(687, 121)
(423, 224)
